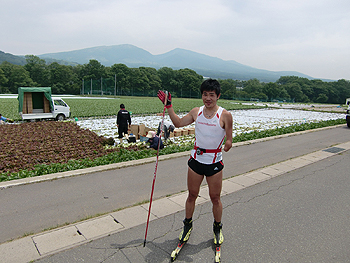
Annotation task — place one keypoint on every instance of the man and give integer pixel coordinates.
(3, 119)
(212, 125)
(167, 128)
(154, 140)
(123, 122)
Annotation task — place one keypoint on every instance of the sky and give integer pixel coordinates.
(308, 36)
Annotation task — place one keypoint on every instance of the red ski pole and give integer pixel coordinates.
(155, 170)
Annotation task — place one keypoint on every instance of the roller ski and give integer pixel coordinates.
(184, 236)
(176, 251)
(217, 258)
(218, 240)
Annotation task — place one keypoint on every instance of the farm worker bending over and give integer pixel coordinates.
(167, 128)
(123, 122)
(154, 139)
(3, 119)
(212, 125)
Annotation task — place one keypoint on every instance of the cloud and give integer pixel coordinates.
(306, 36)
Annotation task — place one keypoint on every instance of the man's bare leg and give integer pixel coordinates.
(194, 181)
(215, 186)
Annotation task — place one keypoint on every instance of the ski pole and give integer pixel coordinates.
(155, 170)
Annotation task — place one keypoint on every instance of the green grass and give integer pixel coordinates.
(120, 156)
(109, 107)
(9, 108)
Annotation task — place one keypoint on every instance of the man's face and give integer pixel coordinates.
(209, 98)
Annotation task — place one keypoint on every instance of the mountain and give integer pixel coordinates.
(20, 60)
(135, 57)
(17, 60)
(219, 68)
(107, 55)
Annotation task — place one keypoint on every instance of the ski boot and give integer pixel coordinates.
(218, 236)
(186, 231)
(184, 236)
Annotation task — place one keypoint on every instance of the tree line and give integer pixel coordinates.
(118, 79)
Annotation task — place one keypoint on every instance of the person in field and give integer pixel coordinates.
(168, 127)
(3, 119)
(123, 122)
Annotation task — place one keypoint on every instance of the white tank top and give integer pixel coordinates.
(209, 135)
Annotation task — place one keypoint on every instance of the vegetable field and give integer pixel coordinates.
(92, 107)
(25, 145)
(37, 148)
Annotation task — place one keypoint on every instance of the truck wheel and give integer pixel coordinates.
(348, 124)
(60, 117)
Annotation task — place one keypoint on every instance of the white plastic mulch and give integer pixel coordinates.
(243, 120)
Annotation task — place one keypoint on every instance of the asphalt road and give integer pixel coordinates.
(32, 208)
(299, 216)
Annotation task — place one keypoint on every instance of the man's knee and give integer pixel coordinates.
(215, 199)
(192, 196)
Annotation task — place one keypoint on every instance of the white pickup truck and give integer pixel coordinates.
(38, 104)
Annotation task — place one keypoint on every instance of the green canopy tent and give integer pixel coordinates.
(30, 98)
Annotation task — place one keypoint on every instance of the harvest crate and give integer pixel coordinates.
(191, 130)
(27, 103)
(142, 130)
(177, 132)
(134, 129)
(184, 132)
(46, 104)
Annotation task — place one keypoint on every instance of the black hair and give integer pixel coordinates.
(211, 85)
(122, 106)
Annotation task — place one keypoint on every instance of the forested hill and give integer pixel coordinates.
(135, 57)
(21, 61)
(17, 60)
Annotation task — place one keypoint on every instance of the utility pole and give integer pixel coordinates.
(115, 84)
(101, 87)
